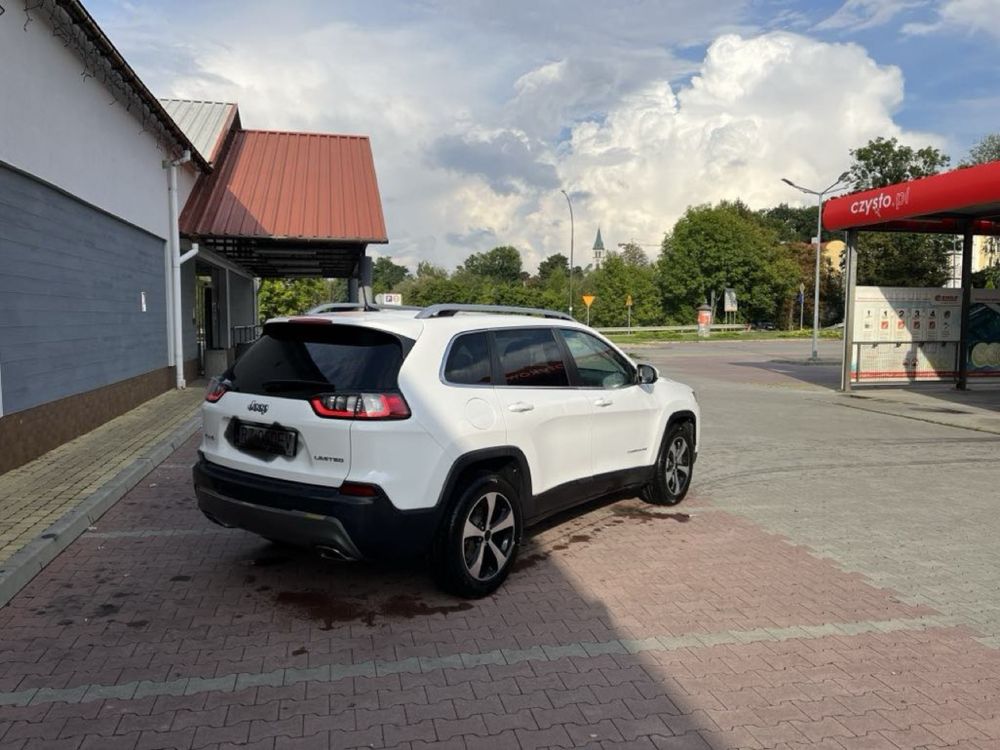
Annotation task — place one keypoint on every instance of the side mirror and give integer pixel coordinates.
(647, 374)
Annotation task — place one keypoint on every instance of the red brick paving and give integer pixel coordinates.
(113, 610)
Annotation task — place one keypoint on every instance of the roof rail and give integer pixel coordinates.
(366, 307)
(447, 310)
(335, 306)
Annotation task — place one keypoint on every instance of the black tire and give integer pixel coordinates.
(670, 483)
(470, 566)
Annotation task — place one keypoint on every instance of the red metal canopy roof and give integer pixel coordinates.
(272, 185)
(942, 204)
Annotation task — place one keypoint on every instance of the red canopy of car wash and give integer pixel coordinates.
(965, 202)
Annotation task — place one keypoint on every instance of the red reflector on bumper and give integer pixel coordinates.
(357, 489)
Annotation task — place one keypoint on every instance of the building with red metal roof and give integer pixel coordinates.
(133, 232)
(289, 204)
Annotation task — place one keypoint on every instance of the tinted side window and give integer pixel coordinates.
(531, 357)
(297, 360)
(469, 360)
(597, 364)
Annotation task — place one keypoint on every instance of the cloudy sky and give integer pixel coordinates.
(481, 112)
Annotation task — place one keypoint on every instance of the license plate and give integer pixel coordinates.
(266, 439)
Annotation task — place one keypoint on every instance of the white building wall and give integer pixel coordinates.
(58, 126)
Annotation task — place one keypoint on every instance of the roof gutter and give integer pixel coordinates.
(78, 29)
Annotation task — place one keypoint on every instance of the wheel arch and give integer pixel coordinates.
(505, 460)
(681, 417)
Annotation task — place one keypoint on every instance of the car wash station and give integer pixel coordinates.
(908, 335)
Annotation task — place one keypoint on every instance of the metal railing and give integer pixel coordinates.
(246, 334)
(653, 329)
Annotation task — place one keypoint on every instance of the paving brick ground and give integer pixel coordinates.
(702, 626)
(42, 491)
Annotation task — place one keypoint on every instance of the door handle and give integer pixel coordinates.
(520, 406)
(603, 402)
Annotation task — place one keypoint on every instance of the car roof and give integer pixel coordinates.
(404, 321)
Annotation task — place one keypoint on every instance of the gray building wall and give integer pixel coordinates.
(71, 280)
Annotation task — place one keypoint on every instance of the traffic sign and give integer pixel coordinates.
(628, 300)
(588, 300)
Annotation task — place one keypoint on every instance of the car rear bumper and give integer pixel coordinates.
(314, 516)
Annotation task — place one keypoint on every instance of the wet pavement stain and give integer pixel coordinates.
(528, 561)
(106, 610)
(333, 610)
(181, 578)
(137, 624)
(645, 516)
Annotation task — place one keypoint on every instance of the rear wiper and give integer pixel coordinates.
(277, 386)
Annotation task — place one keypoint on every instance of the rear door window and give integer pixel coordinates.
(530, 357)
(469, 360)
(302, 359)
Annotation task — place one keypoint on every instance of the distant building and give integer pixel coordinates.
(984, 253)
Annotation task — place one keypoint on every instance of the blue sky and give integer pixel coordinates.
(480, 112)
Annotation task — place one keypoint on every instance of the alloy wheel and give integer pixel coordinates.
(678, 465)
(488, 536)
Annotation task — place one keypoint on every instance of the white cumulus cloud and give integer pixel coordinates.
(961, 15)
(760, 108)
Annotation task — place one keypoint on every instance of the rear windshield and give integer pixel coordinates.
(303, 359)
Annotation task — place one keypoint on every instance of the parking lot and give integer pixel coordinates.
(830, 582)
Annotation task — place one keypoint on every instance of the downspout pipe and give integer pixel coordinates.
(176, 260)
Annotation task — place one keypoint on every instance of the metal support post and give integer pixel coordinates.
(570, 204)
(963, 341)
(365, 271)
(850, 283)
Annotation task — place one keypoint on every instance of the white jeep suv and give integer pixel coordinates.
(386, 432)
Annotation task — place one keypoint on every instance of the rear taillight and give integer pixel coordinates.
(361, 406)
(217, 388)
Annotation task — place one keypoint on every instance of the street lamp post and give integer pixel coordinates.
(570, 204)
(838, 184)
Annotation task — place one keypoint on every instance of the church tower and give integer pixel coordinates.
(598, 249)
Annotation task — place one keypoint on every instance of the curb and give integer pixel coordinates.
(31, 559)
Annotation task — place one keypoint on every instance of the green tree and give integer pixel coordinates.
(501, 264)
(554, 264)
(386, 275)
(633, 255)
(714, 247)
(986, 150)
(289, 296)
(611, 286)
(793, 223)
(883, 161)
(426, 269)
(897, 259)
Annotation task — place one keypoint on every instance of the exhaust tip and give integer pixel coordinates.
(332, 553)
(216, 521)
